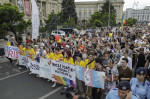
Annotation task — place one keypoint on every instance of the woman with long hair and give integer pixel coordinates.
(139, 84)
(68, 57)
(49, 53)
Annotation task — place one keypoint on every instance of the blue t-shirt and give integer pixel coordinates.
(113, 94)
(138, 89)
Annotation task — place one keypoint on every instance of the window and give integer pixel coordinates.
(85, 14)
(41, 23)
(90, 14)
(80, 15)
(53, 5)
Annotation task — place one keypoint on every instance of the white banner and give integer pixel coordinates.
(35, 20)
(45, 68)
(63, 70)
(13, 52)
(23, 60)
(34, 67)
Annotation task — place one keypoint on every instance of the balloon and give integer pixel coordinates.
(110, 34)
(59, 41)
(82, 48)
(57, 37)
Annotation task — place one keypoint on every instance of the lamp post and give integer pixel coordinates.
(109, 16)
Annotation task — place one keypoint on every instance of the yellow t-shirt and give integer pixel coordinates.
(49, 55)
(82, 64)
(58, 57)
(70, 60)
(28, 50)
(24, 49)
(91, 65)
(31, 51)
(8, 43)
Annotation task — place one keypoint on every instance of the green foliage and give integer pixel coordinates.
(70, 23)
(98, 23)
(52, 25)
(42, 29)
(49, 18)
(96, 15)
(105, 8)
(131, 21)
(11, 19)
(68, 10)
(103, 15)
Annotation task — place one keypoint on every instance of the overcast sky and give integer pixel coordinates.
(129, 3)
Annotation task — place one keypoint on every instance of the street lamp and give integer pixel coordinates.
(109, 15)
(135, 3)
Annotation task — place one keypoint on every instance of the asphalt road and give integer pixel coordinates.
(19, 84)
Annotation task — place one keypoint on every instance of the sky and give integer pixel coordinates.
(129, 3)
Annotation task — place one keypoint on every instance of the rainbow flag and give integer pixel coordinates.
(123, 22)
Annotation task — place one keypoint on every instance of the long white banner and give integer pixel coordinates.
(63, 70)
(45, 68)
(35, 20)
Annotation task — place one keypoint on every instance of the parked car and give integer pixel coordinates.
(55, 32)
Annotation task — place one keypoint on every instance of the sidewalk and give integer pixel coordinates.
(3, 59)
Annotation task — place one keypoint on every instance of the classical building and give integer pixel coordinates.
(86, 9)
(142, 15)
(45, 8)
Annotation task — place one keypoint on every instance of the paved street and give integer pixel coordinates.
(19, 84)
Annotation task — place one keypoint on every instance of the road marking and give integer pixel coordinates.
(13, 75)
(50, 93)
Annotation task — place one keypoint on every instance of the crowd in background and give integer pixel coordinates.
(123, 56)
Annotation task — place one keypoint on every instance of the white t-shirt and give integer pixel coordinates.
(129, 62)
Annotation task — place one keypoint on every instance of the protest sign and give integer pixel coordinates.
(34, 67)
(98, 79)
(13, 52)
(45, 68)
(64, 70)
(90, 77)
(23, 60)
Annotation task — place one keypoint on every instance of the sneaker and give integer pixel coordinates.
(48, 80)
(54, 85)
(30, 73)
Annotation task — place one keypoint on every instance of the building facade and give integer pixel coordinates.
(142, 15)
(84, 9)
(45, 8)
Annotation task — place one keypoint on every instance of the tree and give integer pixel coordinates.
(131, 21)
(49, 18)
(95, 16)
(52, 25)
(105, 13)
(68, 10)
(98, 23)
(70, 23)
(11, 19)
(105, 8)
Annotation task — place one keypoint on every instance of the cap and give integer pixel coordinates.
(124, 85)
(67, 46)
(141, 70)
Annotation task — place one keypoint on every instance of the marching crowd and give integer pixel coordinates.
(123, 56)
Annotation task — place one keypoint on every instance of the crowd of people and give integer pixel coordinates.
(123, 56)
